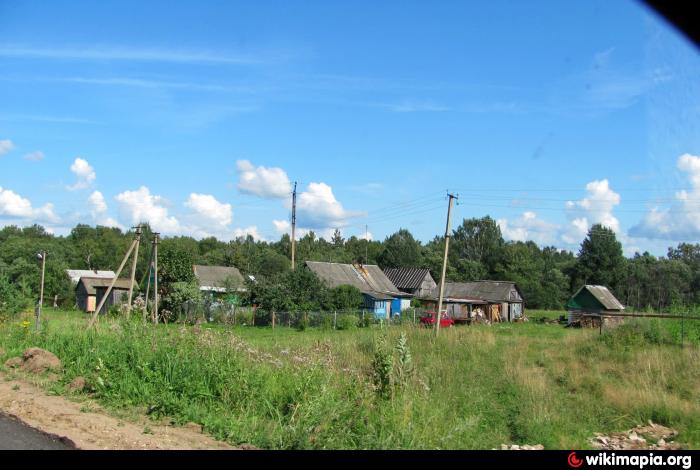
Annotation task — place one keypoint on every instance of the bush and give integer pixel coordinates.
(346, 322)
(303, 322)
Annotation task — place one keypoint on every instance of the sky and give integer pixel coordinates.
(198, 117)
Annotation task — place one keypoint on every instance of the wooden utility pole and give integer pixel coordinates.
(133, 268)
(42, 255)
(444, 262)
(294, 222)
(155, 277)
(111, 285)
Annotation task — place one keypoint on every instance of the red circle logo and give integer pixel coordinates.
(574, 461)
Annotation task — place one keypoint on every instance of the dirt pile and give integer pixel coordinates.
(652, 437)
(37, 360)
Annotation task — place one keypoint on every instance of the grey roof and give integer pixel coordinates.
(491, 291)
(604, 296)
(407, 278)
(92, 283)
(76, 274)
(215, 277)
(368, 278)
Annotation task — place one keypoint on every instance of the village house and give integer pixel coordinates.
(494, 301)
(219, 280)
(378, 292)
(415, 281)
(592, 300)
(90, 291)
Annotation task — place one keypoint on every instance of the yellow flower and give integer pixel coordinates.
(25, 324)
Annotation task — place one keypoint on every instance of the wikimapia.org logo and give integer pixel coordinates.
(639, 461)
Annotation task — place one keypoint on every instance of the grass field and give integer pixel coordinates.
(473, 387)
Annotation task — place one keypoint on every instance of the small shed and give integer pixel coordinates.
(217, 280)
(76, 274)
(592, 299)
(90, 290)
(377, 290)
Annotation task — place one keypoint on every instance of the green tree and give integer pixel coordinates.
(600, 259)
(401, 250)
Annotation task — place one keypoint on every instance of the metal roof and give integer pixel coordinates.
(407, 278)
(92, 283)
(604, 296)
(368, 278)
(491, 291)
(215, 277)
(76, 274)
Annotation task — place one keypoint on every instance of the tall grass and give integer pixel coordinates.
(472, 387)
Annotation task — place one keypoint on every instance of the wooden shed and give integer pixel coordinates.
(219, 280)
(90, 290)
(591, 299)
(415, 281)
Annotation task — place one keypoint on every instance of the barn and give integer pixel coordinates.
(377, 290)
(90, 290)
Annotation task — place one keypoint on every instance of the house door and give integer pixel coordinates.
(395, 306)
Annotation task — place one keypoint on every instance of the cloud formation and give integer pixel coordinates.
(98, 210)
(142, 206)
(6, 146)
(317, 208)
(680, 221)
(12, 205)
(529, 227)
(34, 156)
(84, 173)
(271, 183)
(596, 208)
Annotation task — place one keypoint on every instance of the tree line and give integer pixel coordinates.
(547, 276)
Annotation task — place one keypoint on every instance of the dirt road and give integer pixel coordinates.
(87, 425)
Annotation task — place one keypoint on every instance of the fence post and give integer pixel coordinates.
(600, 321)
(682, 329)
(273, 320)
(414, 315)
(335, 319)
(363, 317)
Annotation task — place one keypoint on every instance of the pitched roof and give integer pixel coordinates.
(407, 278)
(492, 291)
(92, 283)
(602, 295)
(215, 277)
(76, 274)
(368, 278)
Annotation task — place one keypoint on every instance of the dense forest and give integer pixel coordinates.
(546, 275)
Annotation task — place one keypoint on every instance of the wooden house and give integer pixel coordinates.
(494, 301)
(76, 274)
(219, 280)
(415, 281)
(377, 290)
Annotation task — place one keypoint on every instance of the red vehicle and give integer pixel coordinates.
(430, 318)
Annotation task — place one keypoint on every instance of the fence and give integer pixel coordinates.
(656, 327)
(217, 312)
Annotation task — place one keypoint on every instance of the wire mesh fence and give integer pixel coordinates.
(234, 315)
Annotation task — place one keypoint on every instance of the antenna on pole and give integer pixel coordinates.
(294, 222)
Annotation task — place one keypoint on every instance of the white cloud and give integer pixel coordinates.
(529, 227)
(98, 210)
(209, 210)
(84, 173)
(15, 206)
(282, 226)
(596, 208)
(6, 146)
(34, 156)
(317, 208)
(261, 181)
(681, 221)
(244, 232)
(141, 206)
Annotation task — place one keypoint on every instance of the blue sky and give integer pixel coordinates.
(197, 116)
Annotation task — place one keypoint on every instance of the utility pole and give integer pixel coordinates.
(111, 285)
(444, 261)
(133, 268)
(155, 279)
(41, 256)
(294, 221)
(366, 243)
